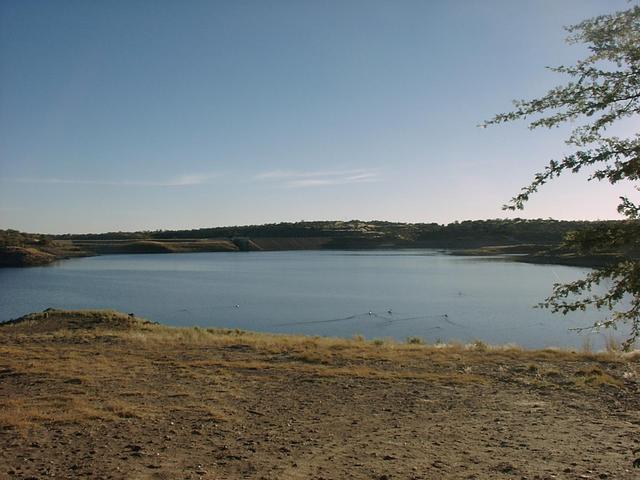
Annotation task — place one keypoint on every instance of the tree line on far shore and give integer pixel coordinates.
(469, 233)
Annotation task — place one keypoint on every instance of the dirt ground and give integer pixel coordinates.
(82, 396)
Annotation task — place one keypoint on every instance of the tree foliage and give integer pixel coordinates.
(543, 233)
(601, 94)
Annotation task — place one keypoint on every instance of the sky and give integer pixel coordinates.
(144, 115)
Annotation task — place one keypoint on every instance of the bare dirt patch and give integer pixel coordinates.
(148, 401)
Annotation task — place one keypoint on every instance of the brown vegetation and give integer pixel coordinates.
(107, 395)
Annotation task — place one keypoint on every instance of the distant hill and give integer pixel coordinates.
(373, 234)
(541, 240)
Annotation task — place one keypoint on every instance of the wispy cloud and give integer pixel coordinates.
(304, 179)
(178, 181)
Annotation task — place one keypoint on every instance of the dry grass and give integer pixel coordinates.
(23, 413)
(105, 366)
(324, 348)
(89, 324)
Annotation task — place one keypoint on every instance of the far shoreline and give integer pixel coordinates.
(531, 241)
(17, 257)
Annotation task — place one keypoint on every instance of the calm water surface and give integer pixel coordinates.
(374, 293)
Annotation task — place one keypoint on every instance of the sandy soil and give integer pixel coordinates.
(127, 400)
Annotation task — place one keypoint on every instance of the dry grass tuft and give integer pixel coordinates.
(24, 413)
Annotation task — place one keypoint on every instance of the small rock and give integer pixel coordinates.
(505, 468)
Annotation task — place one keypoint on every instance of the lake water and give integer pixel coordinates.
(377, 294)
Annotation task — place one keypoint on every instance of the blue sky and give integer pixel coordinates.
(131, 115)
